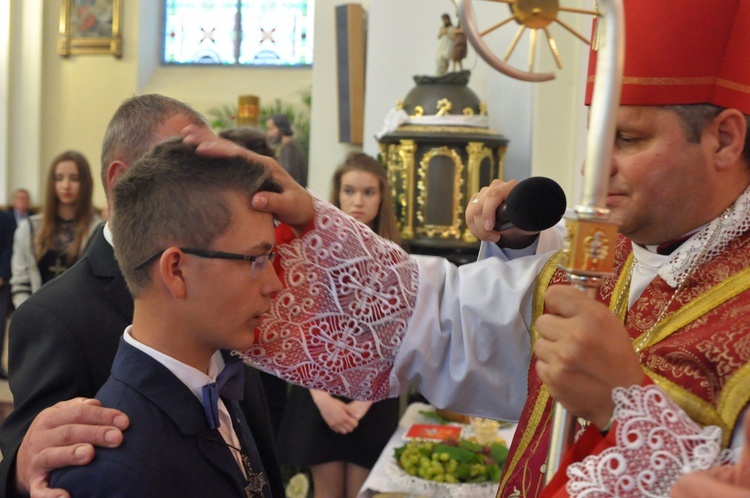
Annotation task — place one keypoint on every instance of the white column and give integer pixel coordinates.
(24, 95)
(4, 96)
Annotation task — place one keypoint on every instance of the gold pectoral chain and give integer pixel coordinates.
(618, 310)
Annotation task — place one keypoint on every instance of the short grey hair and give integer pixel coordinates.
(131, 130)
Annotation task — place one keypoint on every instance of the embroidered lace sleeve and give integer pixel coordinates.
(338, 323)
(656, 444)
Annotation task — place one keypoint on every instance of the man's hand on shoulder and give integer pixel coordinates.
(65, 434)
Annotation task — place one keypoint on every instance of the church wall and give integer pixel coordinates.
(54, 103)
(79, 94)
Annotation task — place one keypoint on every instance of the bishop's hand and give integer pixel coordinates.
(583, 353)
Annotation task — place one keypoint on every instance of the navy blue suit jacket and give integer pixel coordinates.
(168, 450)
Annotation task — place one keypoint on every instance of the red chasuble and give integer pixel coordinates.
(699, 353)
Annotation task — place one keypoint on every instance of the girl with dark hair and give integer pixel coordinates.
(48, 243)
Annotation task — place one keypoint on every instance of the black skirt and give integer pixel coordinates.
(305, 438)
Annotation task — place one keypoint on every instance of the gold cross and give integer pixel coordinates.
(255, 484)
(58, 267)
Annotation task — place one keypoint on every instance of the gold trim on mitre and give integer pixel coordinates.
(733, 85)
(700, 81)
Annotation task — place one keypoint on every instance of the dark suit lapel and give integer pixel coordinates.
(257, 479)
(217, 454)
(101, 257)
(155, 382)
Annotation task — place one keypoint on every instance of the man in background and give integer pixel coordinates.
(288, 149)
(7, 228)
(20, 209)
(21, 205)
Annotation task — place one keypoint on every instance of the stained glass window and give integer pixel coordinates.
(243, 32)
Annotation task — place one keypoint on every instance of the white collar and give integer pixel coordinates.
(108, 234)
(193, 378)
(708, 242)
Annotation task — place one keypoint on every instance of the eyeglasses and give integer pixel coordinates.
(257, 263)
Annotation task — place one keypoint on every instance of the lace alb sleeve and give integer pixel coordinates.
(338, 323)
(656, 444)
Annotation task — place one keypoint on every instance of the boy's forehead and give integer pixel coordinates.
(251, 226)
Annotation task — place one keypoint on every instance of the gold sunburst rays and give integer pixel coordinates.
(532, 46)
(535, 15)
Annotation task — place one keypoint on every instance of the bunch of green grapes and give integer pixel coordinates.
(452, 463)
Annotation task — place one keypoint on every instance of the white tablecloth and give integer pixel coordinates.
(386, 476)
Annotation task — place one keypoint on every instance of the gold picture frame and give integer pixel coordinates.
(90, 27)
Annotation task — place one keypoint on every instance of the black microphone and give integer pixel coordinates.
(533, 205)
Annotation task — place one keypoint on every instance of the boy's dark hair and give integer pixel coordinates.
(175, 196)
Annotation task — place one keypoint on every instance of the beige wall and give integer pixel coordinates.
(558, 138)
(78, 94)
(55, 103)
(326, 152)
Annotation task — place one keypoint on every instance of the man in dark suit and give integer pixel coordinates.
(20, 207)
(199, 268)
(64, 338)
(19, 210)
(7, 228)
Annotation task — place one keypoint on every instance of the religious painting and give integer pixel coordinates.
(90, 27)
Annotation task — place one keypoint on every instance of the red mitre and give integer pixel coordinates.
(685, 52)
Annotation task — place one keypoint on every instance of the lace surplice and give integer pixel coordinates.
(340, 318)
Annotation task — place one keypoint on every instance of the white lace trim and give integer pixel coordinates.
(656, 444)
(734, 224)
(338, 323)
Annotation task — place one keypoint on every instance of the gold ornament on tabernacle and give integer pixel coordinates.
(453, 230)
(444, 107)
(445, 129)
(407, 151)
